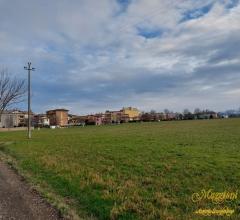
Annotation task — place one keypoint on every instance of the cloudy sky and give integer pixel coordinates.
(93, 55)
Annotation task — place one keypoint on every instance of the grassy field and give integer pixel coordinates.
(135, 171)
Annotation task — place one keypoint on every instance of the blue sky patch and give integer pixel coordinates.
(196, 13)
(149, 33)
(232, 4)
(123, 5)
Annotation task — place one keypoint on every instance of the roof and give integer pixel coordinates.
(58, 109)
(130, 108)
(16, 112)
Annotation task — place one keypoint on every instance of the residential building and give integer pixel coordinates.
(108, 118)
(71, 116)
(115, 117)
(77, 120)
(96, 119)
(206, 115)
(58, 117)
(133, 113)
(14, 118)
(41, 120)
(170, 116)
(8, 120)
(91, 120)
(99, 118)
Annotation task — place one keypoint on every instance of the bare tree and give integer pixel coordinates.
(152, 112)
(12, 90)
(197, 110)
(186, 111)
(166, 111)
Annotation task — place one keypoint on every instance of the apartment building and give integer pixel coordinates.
(41, 120)
(58, 117)
(14, 118)
(133, 113)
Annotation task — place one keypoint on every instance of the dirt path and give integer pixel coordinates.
(19, 202)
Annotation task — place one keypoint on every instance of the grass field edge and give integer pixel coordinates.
(66, 209)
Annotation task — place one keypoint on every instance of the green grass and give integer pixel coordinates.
(134, 171)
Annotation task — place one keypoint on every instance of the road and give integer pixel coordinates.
(19, 202)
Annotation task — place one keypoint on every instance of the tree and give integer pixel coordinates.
(197, 110)
(12, 90)
(186, 111)
(152, 112)
(166, 111)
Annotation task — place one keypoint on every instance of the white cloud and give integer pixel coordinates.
(95, 51)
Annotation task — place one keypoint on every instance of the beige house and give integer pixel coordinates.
(58, 117)
(133, 113)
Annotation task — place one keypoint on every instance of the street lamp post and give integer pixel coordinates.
(29, 69)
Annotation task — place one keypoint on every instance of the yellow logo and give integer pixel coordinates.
(217, 212)
(214, 197)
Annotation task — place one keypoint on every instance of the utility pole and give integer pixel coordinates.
(29, 69)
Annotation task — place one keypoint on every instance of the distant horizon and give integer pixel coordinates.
(158, 111)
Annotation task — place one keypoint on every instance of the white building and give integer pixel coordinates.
(15, 118)
(41, 120)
